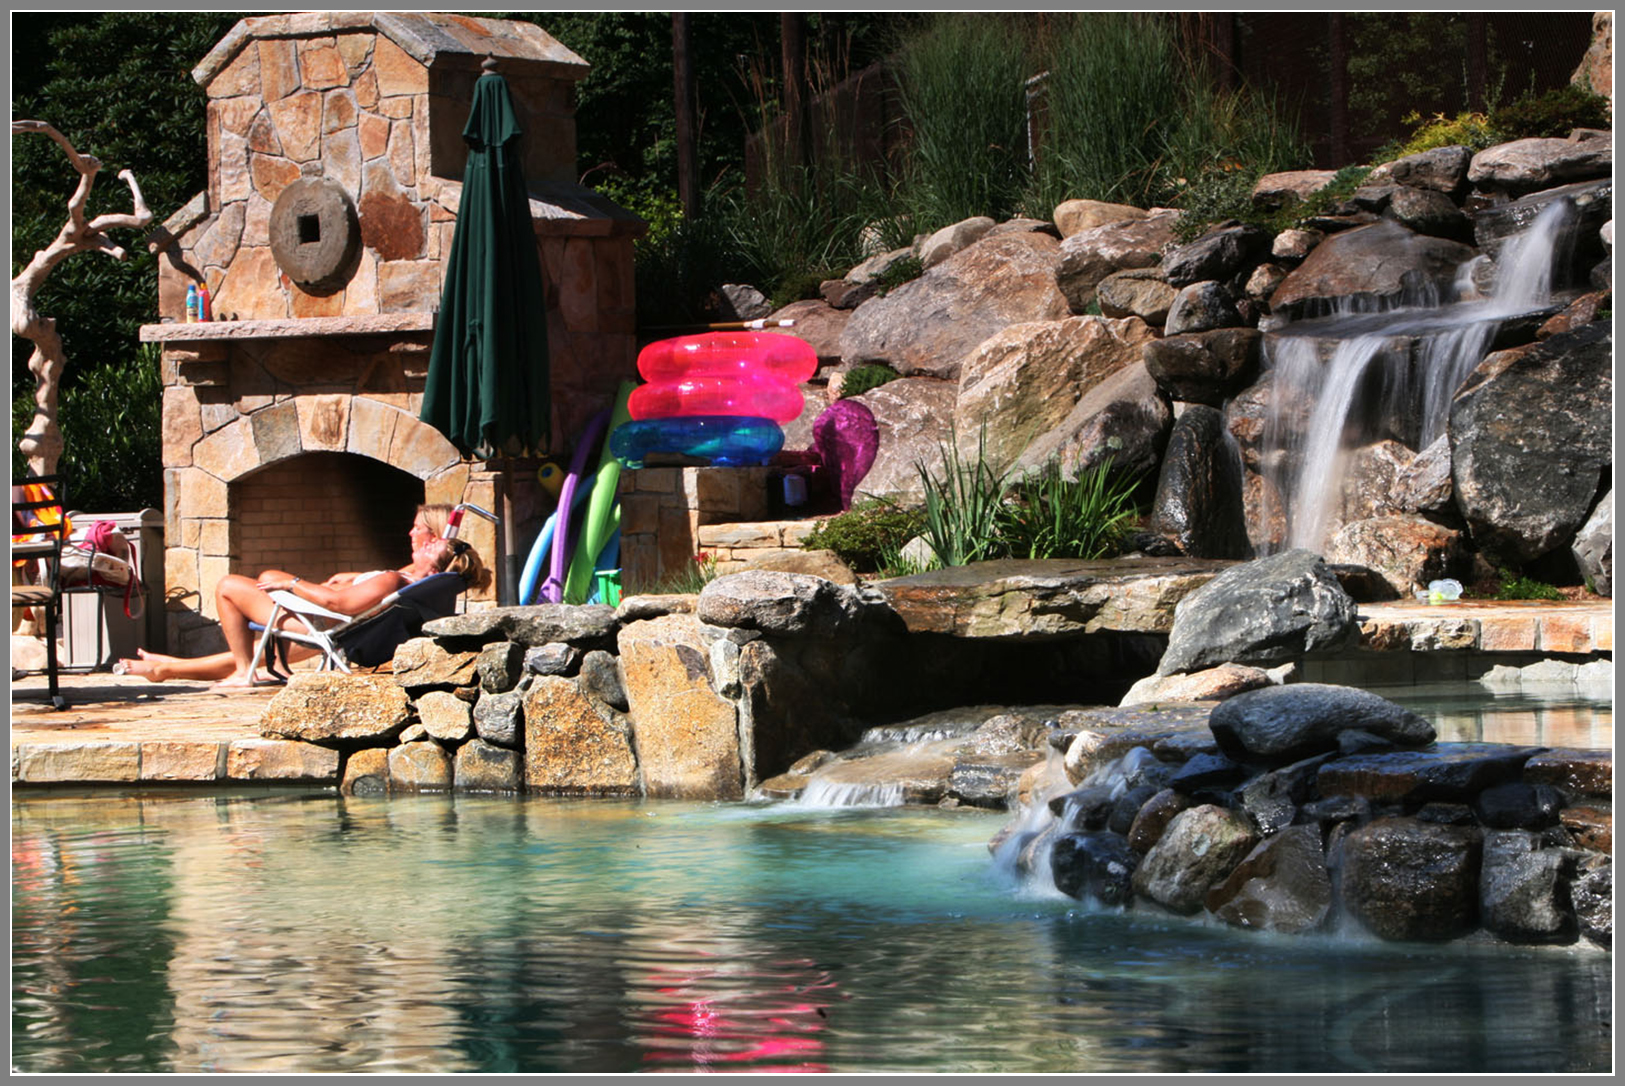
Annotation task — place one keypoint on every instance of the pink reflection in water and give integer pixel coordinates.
(742, 1026)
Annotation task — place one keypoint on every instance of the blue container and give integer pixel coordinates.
(724, 440)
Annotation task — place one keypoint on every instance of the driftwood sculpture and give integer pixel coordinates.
(42, 444)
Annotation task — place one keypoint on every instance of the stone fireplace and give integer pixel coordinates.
(291, 436)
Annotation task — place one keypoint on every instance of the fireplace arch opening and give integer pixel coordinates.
(320, 512)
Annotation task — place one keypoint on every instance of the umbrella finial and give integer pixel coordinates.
(488, 66)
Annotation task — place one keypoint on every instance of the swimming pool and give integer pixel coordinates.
(307, 932)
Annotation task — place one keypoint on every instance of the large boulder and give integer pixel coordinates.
(1531, 442)
(1136, 292)
(1076, 216)
(1199, 491)
(1196, 852)
(685, 735)
(1265, 612)
(1202, 307)
(1428, 212)
(909, 414)
(1594, 547)
(927, 326)
(1531, 164)
(1124, 418)
(1441, 169)
(1276, 190)
(1381, 262)
(1592, 204)
(1405, 879)
(1098, 865)
(574, 745)
(1406, 551)
(1523, 896)
(1282, 724)
(337, 709)
(789, 605)
(1089, 256)
(819, 323)
(1023, 382)
(953, 239)
(1218, 254)
(1207, 367)
(1282, 885)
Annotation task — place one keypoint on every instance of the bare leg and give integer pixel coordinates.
(240, 602)
(156, 667)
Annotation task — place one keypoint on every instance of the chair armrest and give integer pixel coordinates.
(301, 606)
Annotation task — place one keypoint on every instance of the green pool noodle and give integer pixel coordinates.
(595, 528)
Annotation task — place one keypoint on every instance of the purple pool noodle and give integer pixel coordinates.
(552, 590)
(847, 439)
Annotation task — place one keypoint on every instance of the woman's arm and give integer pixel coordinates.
(347, 598)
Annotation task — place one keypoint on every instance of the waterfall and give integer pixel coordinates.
(1357, 376)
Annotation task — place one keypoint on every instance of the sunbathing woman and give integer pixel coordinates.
(241, 600)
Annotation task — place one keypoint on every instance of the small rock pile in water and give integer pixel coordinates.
(1295, 808)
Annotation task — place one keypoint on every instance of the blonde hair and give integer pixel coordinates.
(436, 515)
(459, 556)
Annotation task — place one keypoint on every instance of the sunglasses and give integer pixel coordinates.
(458, 547)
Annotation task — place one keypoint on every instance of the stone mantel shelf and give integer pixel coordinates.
(290, 328)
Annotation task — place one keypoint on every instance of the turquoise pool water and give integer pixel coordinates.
(305, 932)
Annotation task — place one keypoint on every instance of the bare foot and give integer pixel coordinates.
(149, 669)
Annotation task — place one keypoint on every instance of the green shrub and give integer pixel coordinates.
(861, 379)
(1470, 130)
(868, 536)
(1555, 113)
(688, 581)
(1519, 587)
(1056, 517)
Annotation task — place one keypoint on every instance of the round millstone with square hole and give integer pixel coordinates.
(315, 235)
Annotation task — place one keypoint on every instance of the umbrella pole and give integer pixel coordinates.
(508, 595)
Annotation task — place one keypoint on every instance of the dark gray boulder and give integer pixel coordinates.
(601, 678)
(499, 718)
(1405, 879)
(1263, 612)
(1517, 805)
(1202, 307)
(1283, 724)
(1429, 212)
(1219, 254)
(1198, 502)
(1593, 898)
(1442, 169)
(1282, 885)
(1094, 865)
(1204, 367)
(1272, 799)
(1531, 442)
(1592, 204)
(1522, 896)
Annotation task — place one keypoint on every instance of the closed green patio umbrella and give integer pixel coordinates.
(488, 378)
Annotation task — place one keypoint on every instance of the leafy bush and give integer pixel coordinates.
(1470, 130)
(868, 536)
(111, 422)
(1553, 114)
(861, 379)
(1056, 517)
(1519, 587)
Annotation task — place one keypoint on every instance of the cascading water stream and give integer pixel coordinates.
(1358, 376)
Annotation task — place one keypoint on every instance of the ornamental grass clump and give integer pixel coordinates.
(962, 507)
(1051, 516)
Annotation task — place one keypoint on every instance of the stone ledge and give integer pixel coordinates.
(288, 328)
(1488, 626)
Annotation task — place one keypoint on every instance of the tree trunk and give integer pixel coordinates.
(1338, 34)
(688, 167)
(793, 54)
(41, 445)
